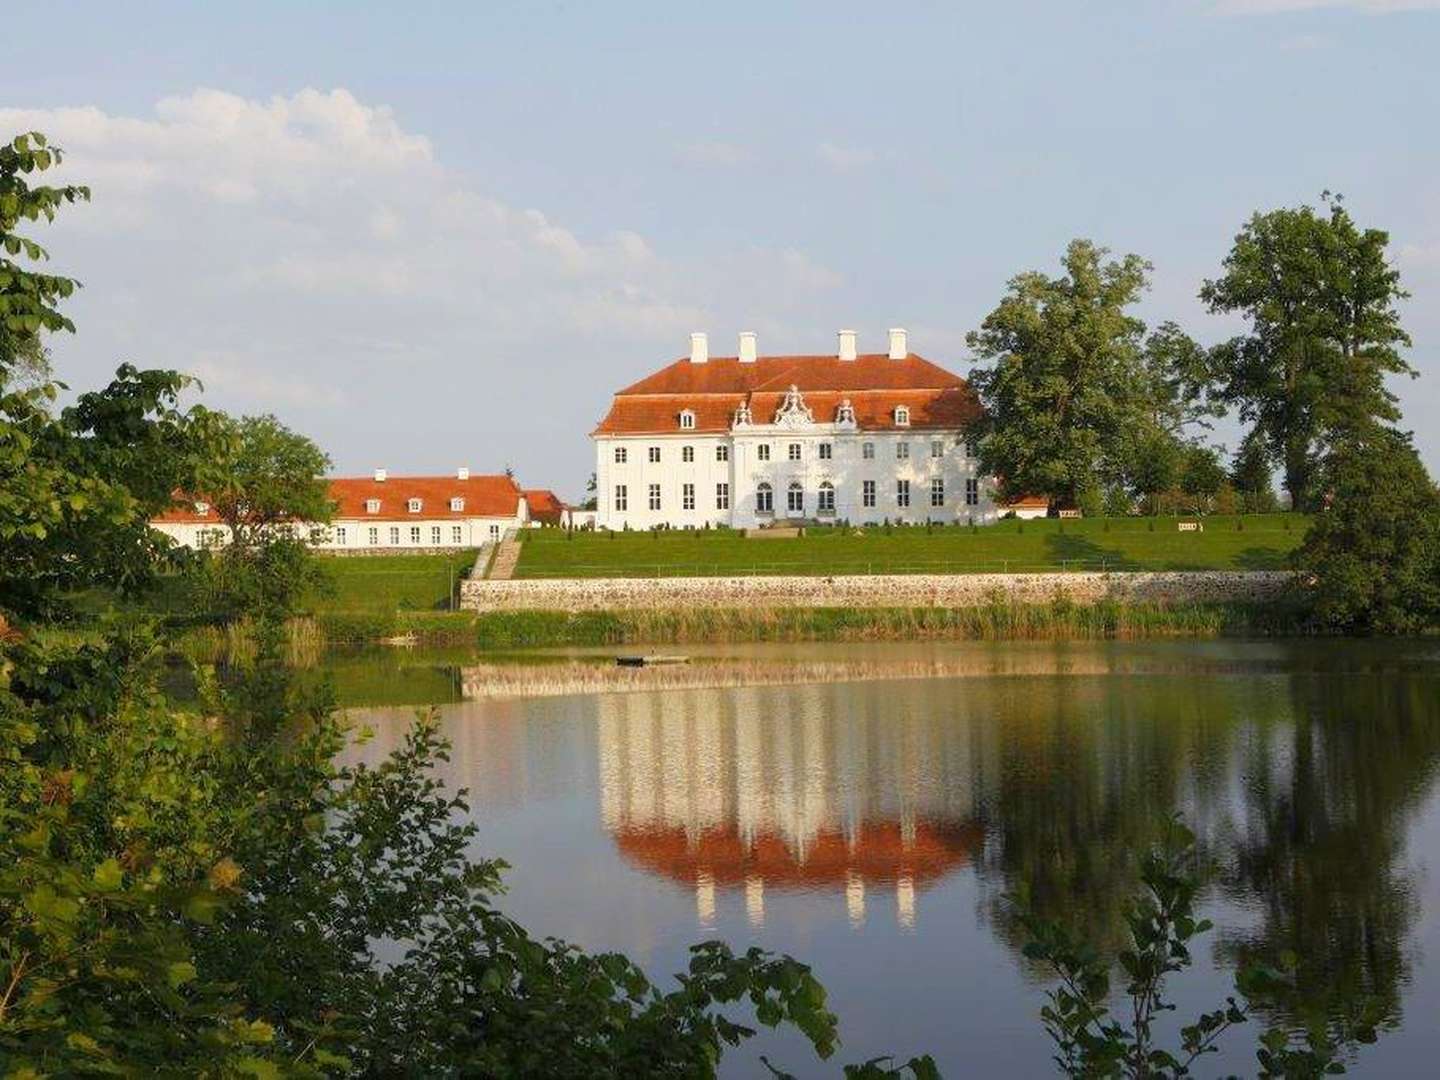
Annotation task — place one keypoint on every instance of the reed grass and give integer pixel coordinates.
(997, 620)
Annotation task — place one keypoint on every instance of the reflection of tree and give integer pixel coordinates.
(1085, 779)
(1301, 793)
(1321, 846)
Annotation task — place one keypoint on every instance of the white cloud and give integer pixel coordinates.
(309, 254)
(844, 158)
(1274, 7)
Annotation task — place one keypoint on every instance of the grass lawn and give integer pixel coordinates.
(1250, 542)
(387, 583)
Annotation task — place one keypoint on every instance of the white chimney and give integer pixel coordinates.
(899, 348)
(747, 346)
(462, 473)
(847, 344)
(379, 476)
(699, 348)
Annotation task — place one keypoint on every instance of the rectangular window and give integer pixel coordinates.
(972, 492)
(654, 455)
(902, 492)
(340, 535)
(394, 534)
(654, 496)
(795, 499)
(825, 450)
(456, 534)
(373, 536)
(764, 500)
(415, 535)
(762, 452)
(620, 455)
(902, 451)
(722, 452)
(317, 534)
(434, 534)
(937, 449)
(622, 501)
(494, 533)
(722, 496)
(937, 492)
(687, 453)
(794, 451)
(826, 502)
(687, 496)
(867, 451)
(970, 448)
(867, 494)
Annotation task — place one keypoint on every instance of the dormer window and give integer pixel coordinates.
(413, 506)
(742, 415)
(846, 413)
(372, 506)
(687, 419)
(202, 509)
(457, 504)
(902, 416)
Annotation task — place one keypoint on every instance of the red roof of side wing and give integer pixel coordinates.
(481, 496)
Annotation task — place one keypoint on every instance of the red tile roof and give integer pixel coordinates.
(545, 505)
(485, 496)
(874, 384)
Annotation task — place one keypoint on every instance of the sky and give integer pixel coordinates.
(430, 235)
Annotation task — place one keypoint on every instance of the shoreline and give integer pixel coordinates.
(1061, 619)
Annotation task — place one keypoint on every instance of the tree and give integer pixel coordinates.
(1371, 561)
(1068, 388)
(1321, 299)
(262, 479)
(69, 515)
(1250, 473)
(1202, 477)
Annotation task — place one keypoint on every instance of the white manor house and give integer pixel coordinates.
(750, 440)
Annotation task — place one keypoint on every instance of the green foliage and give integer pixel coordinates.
(1320, 297)
(1250, 472)
(1091, 1041)
(1068, 385)
(1371, 562)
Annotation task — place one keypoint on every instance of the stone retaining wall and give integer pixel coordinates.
(879, 591)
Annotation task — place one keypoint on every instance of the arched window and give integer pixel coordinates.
(687, 419)
(902, 416)
(846, 413)
(827, 498)
(742, 416)
(795, 498)
(413, 506)
(764, 500)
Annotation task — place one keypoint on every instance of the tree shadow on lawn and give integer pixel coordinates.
(1258, 558)
(1081, 550)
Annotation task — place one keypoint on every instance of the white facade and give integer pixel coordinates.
(805, 469)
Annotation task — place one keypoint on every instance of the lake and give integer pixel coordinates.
(880, 817)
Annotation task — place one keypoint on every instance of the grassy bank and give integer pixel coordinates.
(1248, 542)
(1057, 621)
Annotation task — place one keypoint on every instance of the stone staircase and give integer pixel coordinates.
(506, 556)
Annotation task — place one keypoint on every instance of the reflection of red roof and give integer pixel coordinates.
(879, 854)
(483, 496)
(874, 384)
(545, 506)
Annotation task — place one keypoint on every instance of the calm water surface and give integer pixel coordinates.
(881, 829)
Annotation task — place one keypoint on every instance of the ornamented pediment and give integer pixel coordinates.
(793, 411)
(742, 416)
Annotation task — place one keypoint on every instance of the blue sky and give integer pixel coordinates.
(434, 234)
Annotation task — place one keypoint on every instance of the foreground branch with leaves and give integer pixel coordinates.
(1093, 1040)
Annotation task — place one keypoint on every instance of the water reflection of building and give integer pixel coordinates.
(785, 789)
